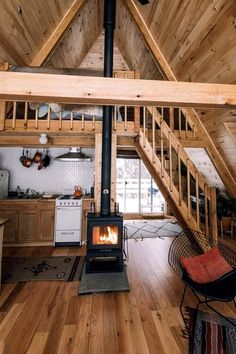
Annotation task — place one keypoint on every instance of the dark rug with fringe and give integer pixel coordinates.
(16, 269)
(211, 334)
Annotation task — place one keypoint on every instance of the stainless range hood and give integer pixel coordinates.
(74, 155)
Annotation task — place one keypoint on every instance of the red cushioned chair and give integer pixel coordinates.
(187, 244)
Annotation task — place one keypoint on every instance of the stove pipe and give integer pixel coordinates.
(109, 25)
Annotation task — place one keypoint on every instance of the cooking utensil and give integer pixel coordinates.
(27, 162)
(22, 156)
(37, 157)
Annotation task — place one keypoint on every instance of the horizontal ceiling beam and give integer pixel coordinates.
(110, 91)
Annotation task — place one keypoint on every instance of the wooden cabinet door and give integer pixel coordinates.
(10, 234)
(46, 225)
(28, 226)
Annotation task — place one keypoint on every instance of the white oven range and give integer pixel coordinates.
(68, 221)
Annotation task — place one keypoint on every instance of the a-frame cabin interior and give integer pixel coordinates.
(173, 99)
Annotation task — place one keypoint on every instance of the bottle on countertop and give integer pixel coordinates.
(18, 191)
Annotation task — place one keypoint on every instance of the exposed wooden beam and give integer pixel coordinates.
(100, 90)
(58, 33)
(167, 72)
(154, 49)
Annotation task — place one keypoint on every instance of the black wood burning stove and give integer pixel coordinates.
(105, 229)
(105, 243)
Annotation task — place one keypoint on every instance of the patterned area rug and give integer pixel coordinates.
(16, 269)
(137, 229)
(212, 334)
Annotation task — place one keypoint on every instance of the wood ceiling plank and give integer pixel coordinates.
(58, 33)
(100, 90)
(78, 41)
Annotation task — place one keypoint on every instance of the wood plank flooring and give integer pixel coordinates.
(49, 317)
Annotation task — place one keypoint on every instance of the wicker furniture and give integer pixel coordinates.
(192, 243)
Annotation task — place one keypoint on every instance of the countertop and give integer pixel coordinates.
(36, 198)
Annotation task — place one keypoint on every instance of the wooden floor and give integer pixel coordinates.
(49, 316)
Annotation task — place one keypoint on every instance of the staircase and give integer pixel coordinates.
(184, 188)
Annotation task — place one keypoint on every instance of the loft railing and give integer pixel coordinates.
(20, 117)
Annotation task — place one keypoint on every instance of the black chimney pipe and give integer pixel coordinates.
(109, 25)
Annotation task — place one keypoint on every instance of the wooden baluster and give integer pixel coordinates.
(153, 137)
(179, 176)
(126, 109)
(162, 112)
(162, 149)
(197, 198)
(14, 115)
(171, 110)
(71, 120)
(115, 117)
(144, 127)
(188, 190)
(2, 114)
(36, 117)
(26, 115)
(49, 117)
(214, 230)
(60, 120)
(180, 127)
(93, 125)
(170, 161)
(186, 126)
(82, 122)
(194, 131)
(206, 210)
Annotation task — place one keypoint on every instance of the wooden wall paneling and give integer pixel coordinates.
(26, 27)
(78, 41)
(132, 46)
(95, 57)
(58, 33)
(231, 128)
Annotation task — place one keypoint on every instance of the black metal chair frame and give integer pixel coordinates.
(190, 243)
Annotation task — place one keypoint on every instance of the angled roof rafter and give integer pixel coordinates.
(58, 33)
(167, 72)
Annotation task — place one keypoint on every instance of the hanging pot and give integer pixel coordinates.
(27, 162)
(37, 157)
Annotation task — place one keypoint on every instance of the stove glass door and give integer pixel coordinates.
(105, 235)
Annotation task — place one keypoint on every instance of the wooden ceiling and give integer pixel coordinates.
(197, 40)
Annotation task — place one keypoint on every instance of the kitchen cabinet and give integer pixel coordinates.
(30, 221)
(11, 227)
(46, 221)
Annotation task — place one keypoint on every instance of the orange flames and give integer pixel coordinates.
(105, 235)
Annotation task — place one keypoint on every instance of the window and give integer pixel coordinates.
(136, 192)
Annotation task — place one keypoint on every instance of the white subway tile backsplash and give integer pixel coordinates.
(56, 178)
